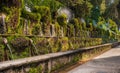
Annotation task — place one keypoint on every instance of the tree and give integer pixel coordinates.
(81, 8)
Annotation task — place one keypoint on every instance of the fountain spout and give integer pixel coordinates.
(8, 46)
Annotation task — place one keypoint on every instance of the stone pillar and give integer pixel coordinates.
(25, 31)
(61, 32)
(49, 66)
(2, 24)
(52, 30)
(41, 32)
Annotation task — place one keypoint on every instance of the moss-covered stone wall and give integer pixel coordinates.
(30, 46)
(52, 64)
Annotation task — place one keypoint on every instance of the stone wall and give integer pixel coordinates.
(50, 62)
(22, 46)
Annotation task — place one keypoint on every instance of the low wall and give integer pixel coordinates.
(50, 62)
(28, 46)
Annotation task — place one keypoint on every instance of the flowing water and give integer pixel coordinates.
(67, 11)
(34, 46)
(8, 46)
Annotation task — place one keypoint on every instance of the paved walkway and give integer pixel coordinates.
(108, 62)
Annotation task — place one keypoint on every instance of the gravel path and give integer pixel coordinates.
(108, 62)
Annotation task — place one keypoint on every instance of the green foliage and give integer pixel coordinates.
(20, 46)
(44, 12)
(75, 21)
(103, 6)
(89, 27)
(81, 8)
(54, 44)
(96, 2)
(36, 29)
(64, 46)
(43, 45)
(2, 46)
(12, 19)
(57, 29)
(95, 13)
(113, 25)
(54, 5)
(62, 20)
(102, 24)
(76, 59)
(71, 30)
(84, 42)
(5, 10)
(20, 43)
(38, 69)
(33, 70)
(30, 15)
(76, 24)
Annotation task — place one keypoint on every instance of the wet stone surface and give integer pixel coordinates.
(108, 62)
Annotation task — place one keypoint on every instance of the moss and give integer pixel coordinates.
(71, 47)
(77, 26)
(57, 29)
(30, 15)
(64, 44)
(44, 11)
(42, 45)
(21, 26)
(33, 70)
(23, 54)
(20, 43)
(36, 69)
(36, 29)
(5, 10)
(13, 20)
(76, 59)
(84, 42)
(85, 56)
(20, 46)
(54, 44)
(71, 30)
(2, 46)
(62, 20)
(89, 27)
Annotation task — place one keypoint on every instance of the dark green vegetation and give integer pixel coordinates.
(88, 23)
(33, 17)
(92, 19)
(23, 46)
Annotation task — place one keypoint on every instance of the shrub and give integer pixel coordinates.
(113, 25)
